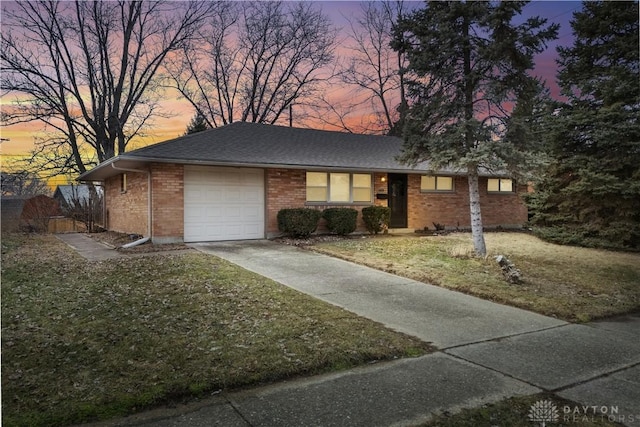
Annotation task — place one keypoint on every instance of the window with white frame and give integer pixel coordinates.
(339, 187)
(499, 185)
(361, 187)
(436, 183)
(317, 188)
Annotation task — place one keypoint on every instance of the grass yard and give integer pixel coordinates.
(86, 341)
(570, 283)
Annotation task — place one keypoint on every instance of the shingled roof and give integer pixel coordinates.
(67, 194)
(262, 145)
(278, 145)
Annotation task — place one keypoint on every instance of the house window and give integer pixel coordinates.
(361, 187)
(339, 187)
(317, 187)
(123, 183)
(499, 185)
(436, 183)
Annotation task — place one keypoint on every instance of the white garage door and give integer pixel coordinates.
(223, 204)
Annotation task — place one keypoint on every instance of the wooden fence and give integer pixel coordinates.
(65, 225)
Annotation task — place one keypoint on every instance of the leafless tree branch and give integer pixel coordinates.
(258, 60)
(91, 70)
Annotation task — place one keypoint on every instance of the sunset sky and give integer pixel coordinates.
(21, 136)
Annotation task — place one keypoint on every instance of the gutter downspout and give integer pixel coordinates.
(149, 210)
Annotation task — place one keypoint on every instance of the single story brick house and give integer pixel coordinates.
(230, 182)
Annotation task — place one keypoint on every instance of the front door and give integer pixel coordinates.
(398, 200)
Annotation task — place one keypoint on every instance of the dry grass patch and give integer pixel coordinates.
(571, 283)
(83, 341)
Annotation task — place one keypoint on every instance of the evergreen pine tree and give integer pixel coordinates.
(590, 194)
(468, 63)
(197, 124)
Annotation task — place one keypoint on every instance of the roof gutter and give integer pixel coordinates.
(194, 162)
(149, 210)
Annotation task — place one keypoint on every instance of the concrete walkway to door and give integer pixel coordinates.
(488, 352)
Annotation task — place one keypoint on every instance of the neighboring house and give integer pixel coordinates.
(28, 213)
(67, 195)
(229, 184)
(82, 207)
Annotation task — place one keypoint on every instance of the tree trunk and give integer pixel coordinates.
(477, 234)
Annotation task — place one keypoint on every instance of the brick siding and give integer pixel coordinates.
(127, 211)
(167, 184)
(286, 188)
(452, 209)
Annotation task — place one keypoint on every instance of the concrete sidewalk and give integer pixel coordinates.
(489, 352)
(88, 248)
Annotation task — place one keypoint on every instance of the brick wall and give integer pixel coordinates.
(167, 183)
(380, 187)
(127, 211)
(452, 209)
(286, 188)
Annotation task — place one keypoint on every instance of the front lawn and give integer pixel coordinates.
(84, 341)
(571, 283)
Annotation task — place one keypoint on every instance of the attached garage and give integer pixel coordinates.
(223, 203)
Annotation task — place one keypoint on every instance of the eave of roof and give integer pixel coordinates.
(124, 163)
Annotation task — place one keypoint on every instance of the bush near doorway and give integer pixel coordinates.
(341, 221)
(376, 218)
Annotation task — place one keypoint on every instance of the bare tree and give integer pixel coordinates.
(86, 207)
(258, 60)
(23, 183)
(89, 72)
(373, 72)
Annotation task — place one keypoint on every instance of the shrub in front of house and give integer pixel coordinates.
(376, 218)
(341, 220)
(298, 222)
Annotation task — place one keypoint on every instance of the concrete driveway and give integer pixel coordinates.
(437, 315)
